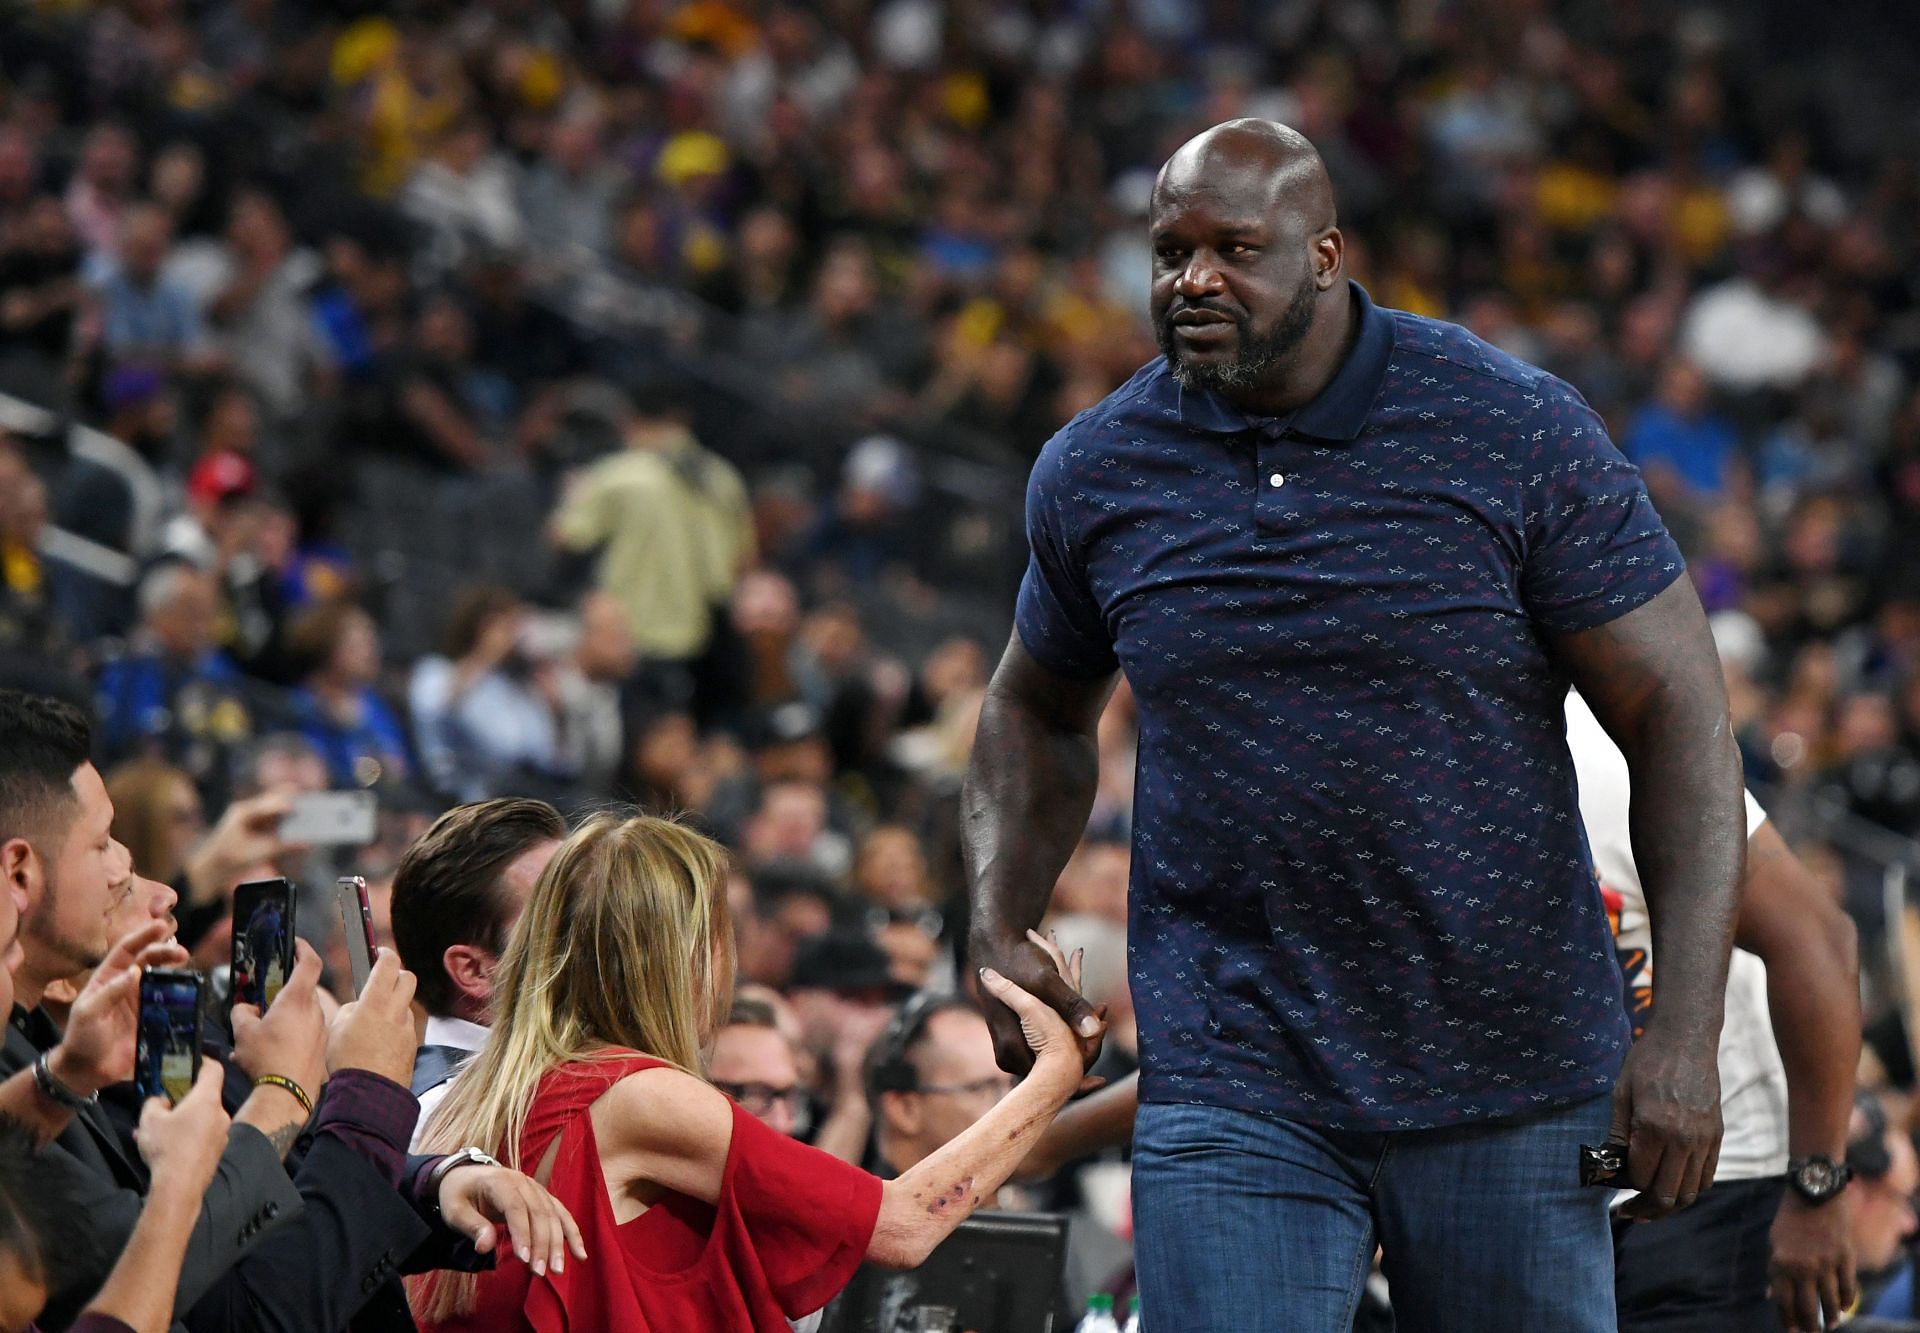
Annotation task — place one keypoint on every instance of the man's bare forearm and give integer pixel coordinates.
(1653, 679)
(1813, 990)
(1029, 788)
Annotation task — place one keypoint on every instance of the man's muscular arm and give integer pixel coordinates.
(1029, 788)
(1653, 679)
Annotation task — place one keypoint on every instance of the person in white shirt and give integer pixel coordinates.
(1773, 1224)
(456, 894)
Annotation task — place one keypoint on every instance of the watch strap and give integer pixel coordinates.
(439, 1170)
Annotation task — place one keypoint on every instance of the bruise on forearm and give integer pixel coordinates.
(1029, 787)
(1653, 679)
(1813, 989)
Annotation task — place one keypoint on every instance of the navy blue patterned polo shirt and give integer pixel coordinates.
(1361, 891)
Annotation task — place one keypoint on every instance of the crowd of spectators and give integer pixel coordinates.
(724, 292)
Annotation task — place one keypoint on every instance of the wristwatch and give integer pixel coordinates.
(465, 1157)
(1817, 1179)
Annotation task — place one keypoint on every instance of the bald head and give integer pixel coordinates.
(1257, 164)
(1248, 265)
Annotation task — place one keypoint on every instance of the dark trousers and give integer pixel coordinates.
(1703, 1270)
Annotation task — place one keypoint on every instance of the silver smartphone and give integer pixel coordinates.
(332, 819)
(356, 927)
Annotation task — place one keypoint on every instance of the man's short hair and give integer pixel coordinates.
(891, 1066)
(42, 742)
(748, 1012)
(446, 890)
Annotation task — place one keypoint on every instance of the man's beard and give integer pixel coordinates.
(1256, 357)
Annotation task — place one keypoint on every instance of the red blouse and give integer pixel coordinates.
(788, 1230)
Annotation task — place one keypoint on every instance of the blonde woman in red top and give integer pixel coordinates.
(695, 1217)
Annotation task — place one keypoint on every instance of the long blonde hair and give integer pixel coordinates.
(625, 942)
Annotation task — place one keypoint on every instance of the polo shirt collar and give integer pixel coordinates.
(1336, 413)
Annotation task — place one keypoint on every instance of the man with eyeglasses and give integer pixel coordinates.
(753, 1062)
(930, 1076)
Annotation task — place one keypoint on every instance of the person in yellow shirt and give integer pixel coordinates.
(671, 523)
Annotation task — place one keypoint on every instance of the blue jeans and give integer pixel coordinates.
(1248, 1224)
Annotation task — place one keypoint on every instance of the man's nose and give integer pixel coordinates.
(1201, 276)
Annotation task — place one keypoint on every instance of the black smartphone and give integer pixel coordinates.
(356, 926)
(262, 941)
(167, 1058)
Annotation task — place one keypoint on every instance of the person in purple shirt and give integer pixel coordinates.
(1349, 560)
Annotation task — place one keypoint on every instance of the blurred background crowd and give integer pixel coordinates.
(632, 399)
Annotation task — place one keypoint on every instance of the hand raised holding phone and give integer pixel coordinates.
(290, 1039)
(97, 1049)
(375, 1032)
(183, 1144)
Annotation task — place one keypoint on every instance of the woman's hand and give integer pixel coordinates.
(1045, 1032)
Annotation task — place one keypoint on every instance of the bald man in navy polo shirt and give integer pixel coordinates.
(1349, 560)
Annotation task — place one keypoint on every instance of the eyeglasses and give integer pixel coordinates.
(759, 1099)
(997, 1087)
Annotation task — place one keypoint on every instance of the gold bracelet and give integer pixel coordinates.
(286, 1084)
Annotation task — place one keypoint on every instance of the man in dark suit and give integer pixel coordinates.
(357, 1212)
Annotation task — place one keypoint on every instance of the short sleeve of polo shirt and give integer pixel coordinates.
(1595, 547)
(1057, 615)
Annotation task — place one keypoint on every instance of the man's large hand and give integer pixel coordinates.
(1666, 1109)
(1030, 965)
(1812, 1264)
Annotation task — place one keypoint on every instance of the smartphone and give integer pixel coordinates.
(356, 926)
(262, 941)
(332, 819)
(167, 1058)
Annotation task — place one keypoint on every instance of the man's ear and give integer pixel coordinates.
(470, 968)
(1329, 258)
(22, 874)
(900, 1112)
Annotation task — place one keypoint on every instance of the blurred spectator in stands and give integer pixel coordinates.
(463, 197)
(669, 521)
(175, 693)
(567, 195)
(1881, 1214)
(481, 726)
(102, 186)
(870, 529)
(1689, 453)
(434, 407)
(41, 295)
(262, 312)
(790, 825)
(157, 816)
(587, 689)
(147, 318)
(142, 412)
(339, 709)
(520, 342)
(48, 601)
(846, 355)
(1750, 332)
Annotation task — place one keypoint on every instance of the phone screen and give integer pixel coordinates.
(168, 1059)
(262, 940)
(356, 927)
